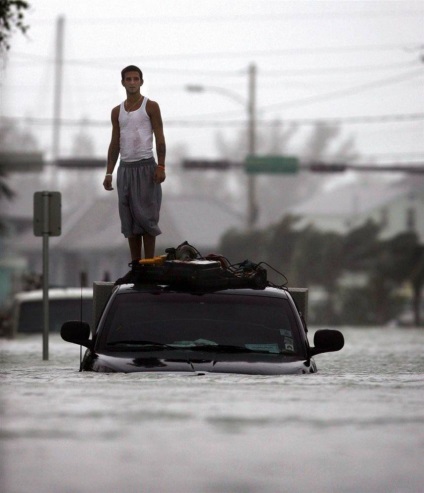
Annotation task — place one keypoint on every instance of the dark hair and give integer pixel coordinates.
(131, 68)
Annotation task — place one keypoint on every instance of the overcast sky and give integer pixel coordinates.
(357, 62)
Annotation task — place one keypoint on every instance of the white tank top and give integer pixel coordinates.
(136, 134)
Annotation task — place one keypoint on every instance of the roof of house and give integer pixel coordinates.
(354, 199)
(96, 226)
(23, 185)
(93, 224)
(199, 220)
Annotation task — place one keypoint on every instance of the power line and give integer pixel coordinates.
(344, 92)
(334, 94)
(238, 73)
(288, 51)
(353, 120)
(413, 46)
(305, 71)
(257, 17)
(339, 69)
(327, 96)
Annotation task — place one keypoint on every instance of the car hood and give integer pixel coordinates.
(253, 364)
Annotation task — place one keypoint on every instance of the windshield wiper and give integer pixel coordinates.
(225, 348)
(217, 348)
(131, 343)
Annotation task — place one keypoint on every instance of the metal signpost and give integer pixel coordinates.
(47, 222)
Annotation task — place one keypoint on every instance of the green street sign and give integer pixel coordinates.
(271, 164)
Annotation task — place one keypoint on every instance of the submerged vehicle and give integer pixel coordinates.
(179, 318)
(64, 303)
(158, 328)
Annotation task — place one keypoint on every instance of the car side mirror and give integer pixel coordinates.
(76, 332)
(326, 341)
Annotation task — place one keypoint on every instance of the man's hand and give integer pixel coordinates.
(107, 183)
(160, 175)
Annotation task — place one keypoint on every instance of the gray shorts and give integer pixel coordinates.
(139, 198)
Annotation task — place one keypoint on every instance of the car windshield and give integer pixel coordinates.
(211, 322)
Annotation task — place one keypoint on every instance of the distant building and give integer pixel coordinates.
(91, 246)
(397, 206)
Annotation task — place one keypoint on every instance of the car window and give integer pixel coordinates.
(183, 320)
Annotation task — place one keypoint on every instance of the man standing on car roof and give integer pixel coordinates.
(139, 177)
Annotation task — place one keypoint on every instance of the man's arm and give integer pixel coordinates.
(153, 111)
(113, 151)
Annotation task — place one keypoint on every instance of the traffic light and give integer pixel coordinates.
(81, 162)
(205, 164)
(327, 168)
(21, 162)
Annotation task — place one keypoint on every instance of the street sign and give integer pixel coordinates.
(47, 222)
(18, 162)
(272, 164)
(47, 214)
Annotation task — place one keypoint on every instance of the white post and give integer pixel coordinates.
(252, 207)
(57, 104)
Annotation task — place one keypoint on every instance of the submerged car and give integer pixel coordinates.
(160, 328)
(26, 314)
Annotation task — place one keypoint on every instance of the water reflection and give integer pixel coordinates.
(356, 425)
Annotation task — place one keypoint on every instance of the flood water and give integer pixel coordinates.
(356, 426)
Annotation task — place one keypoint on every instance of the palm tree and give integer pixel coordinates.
(5, 192)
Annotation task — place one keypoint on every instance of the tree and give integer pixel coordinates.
(282, 242)
(386, 265)
(317, 260)
(12, 139)
(274, 193)
(325, 144)
(241, 245)
(5, 192)
(407, 265)
(11, 19)
(360, 247)
(360, 274)
(417, 281)
(83, 143)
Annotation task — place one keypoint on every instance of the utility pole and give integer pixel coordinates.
(58, 76)
(252, 207)
(250, 108)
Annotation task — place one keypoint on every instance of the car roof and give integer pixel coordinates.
(143, 288)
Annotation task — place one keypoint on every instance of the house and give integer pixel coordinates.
(91, 246)
(396, 205)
